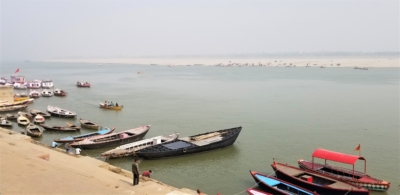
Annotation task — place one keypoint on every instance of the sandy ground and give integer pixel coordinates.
(326, 62)
(27, 167)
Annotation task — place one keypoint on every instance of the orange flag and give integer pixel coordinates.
(358, 148)
(17, 70)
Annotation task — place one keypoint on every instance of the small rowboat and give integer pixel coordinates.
(86, 84)
(70, 139)
(59, 92)
(60, 112)
(27, 115)
(5, 123)
(38, 119)
(59, 128)
(34, 94)
(35, 112)
(88, 124)
(73, 126)
(276, 186)
(111, 107)
(22, 120)
(12, 117)
(113, 139)
(34, 130)
(47, 93)
(129, 149)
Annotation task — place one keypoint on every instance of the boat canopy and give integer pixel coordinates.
(336, 156)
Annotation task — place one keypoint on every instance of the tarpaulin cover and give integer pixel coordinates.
(336, 156)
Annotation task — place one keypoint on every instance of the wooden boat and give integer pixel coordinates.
(88, 124)
(27, 115)
(59, 92)
(13, 108)
(38, 119)
(86, 84)
(192, 144)
(33, 130)
(113, 139)
(59, 128)
(276, 186)
(347, 175)
(14, 103)
(11, 117)
(317, 182)
(47, 93)
(60, 112)
(73, 126)
(34, 94)
(21, 97)
(22, 120)
(129, 149)
(35, 112)
(5, 123)
(252, 191)
(70, 139)
(102, 105)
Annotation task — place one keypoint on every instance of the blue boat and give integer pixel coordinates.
(278, 187)
(70, 139)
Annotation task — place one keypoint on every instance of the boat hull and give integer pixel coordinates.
(111, 107)
(186, 151)
(61, 115)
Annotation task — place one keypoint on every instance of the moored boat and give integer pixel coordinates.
(20, 86)
(47, 84)
(11, 117)
(60, 112)
(115, 107)
(129, 149)
(88, 124)
(59, 92)
(347, 175)
(13, 108)
(317, 182)
(73, 126)
(34, 130)
(27, 115)
(22, 120)
(38, 119)
(276, 186)
(35, 112)
(113, 139)
(47, 93)
(70, 139)
(34, 94)
(59, 128)
(20, 97)
(5, 123)
(86, 84)
(35, 84)
(192, 144)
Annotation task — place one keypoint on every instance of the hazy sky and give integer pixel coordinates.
(45, 29)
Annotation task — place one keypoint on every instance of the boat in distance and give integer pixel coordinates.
(59, 92)
(86, 84)
(113, 139)
(347, 175)
(276, 186)
(192, 144)
(60, 112)
(88, 124)
(59, 128)
(317, 182)
(70, 139)
(252, 191)
(129, 149)
(102, 105)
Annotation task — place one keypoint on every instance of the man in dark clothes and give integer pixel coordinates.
(146, 173)
(135, 172)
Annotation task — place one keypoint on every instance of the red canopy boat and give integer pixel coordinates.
(348, 175)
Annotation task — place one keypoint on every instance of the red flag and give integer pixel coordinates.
(358, 148)
(17, 70)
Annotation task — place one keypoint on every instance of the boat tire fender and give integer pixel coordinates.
(184, 150)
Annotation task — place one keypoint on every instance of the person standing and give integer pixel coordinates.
(78, 151)
(135, 172)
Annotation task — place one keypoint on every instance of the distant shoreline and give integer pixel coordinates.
(240, 62)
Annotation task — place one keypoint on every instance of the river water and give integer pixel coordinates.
(286, 113)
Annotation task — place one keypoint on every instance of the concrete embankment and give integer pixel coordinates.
(29, 167)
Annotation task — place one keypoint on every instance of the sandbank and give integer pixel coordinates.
(29, 167)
